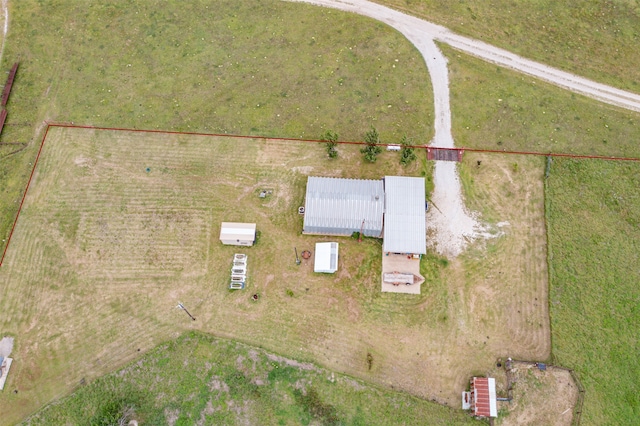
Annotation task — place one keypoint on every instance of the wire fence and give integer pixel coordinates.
(577, 410)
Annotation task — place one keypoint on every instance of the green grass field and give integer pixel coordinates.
(593, 216)
(198, 379)
(494, 108)
(592, 38)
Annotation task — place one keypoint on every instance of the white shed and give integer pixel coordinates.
(326, 259)
(238, 234)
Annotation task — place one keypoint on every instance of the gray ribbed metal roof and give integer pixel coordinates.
(404, 218)
(338, 206)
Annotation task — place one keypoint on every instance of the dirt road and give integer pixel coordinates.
(421, 33)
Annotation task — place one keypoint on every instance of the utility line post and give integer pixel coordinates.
(181, 306)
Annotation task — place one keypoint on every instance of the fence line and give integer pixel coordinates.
(9, 84)
(267, 138)
(577, 410)
(77, 126)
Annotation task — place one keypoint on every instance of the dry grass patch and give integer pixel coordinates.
(509, 272)
(105, 249)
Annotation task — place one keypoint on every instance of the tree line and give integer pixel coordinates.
(372, 148)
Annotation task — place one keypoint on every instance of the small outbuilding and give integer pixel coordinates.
(326, 260)
(238, 234)
(482, 398)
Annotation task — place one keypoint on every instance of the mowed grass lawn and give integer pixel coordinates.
(252, 67)
(198, 379)
(592, 38)
(119, 227)
(593, 215)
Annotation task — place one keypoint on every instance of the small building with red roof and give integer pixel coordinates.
(481, 399)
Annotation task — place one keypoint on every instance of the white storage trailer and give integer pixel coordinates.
(238, 234)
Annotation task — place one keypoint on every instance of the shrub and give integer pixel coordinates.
(407, 156)
(371, 151)
(331, 138)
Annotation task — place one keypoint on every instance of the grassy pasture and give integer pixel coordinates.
(494, 108)
(252, 67)
(592, 38)
(197, 378)
(104, 250)
(593, 214)
(335, 325)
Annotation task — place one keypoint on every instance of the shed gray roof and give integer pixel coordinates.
(404, 219)
(338, 206)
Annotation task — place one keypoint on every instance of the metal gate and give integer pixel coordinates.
(444, 154)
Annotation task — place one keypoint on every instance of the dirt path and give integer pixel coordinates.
(421, 33)
(539, 397)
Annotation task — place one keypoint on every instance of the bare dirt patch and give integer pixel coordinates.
(292, 362)
(171, 416)
(539, 397)
(217, 384)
